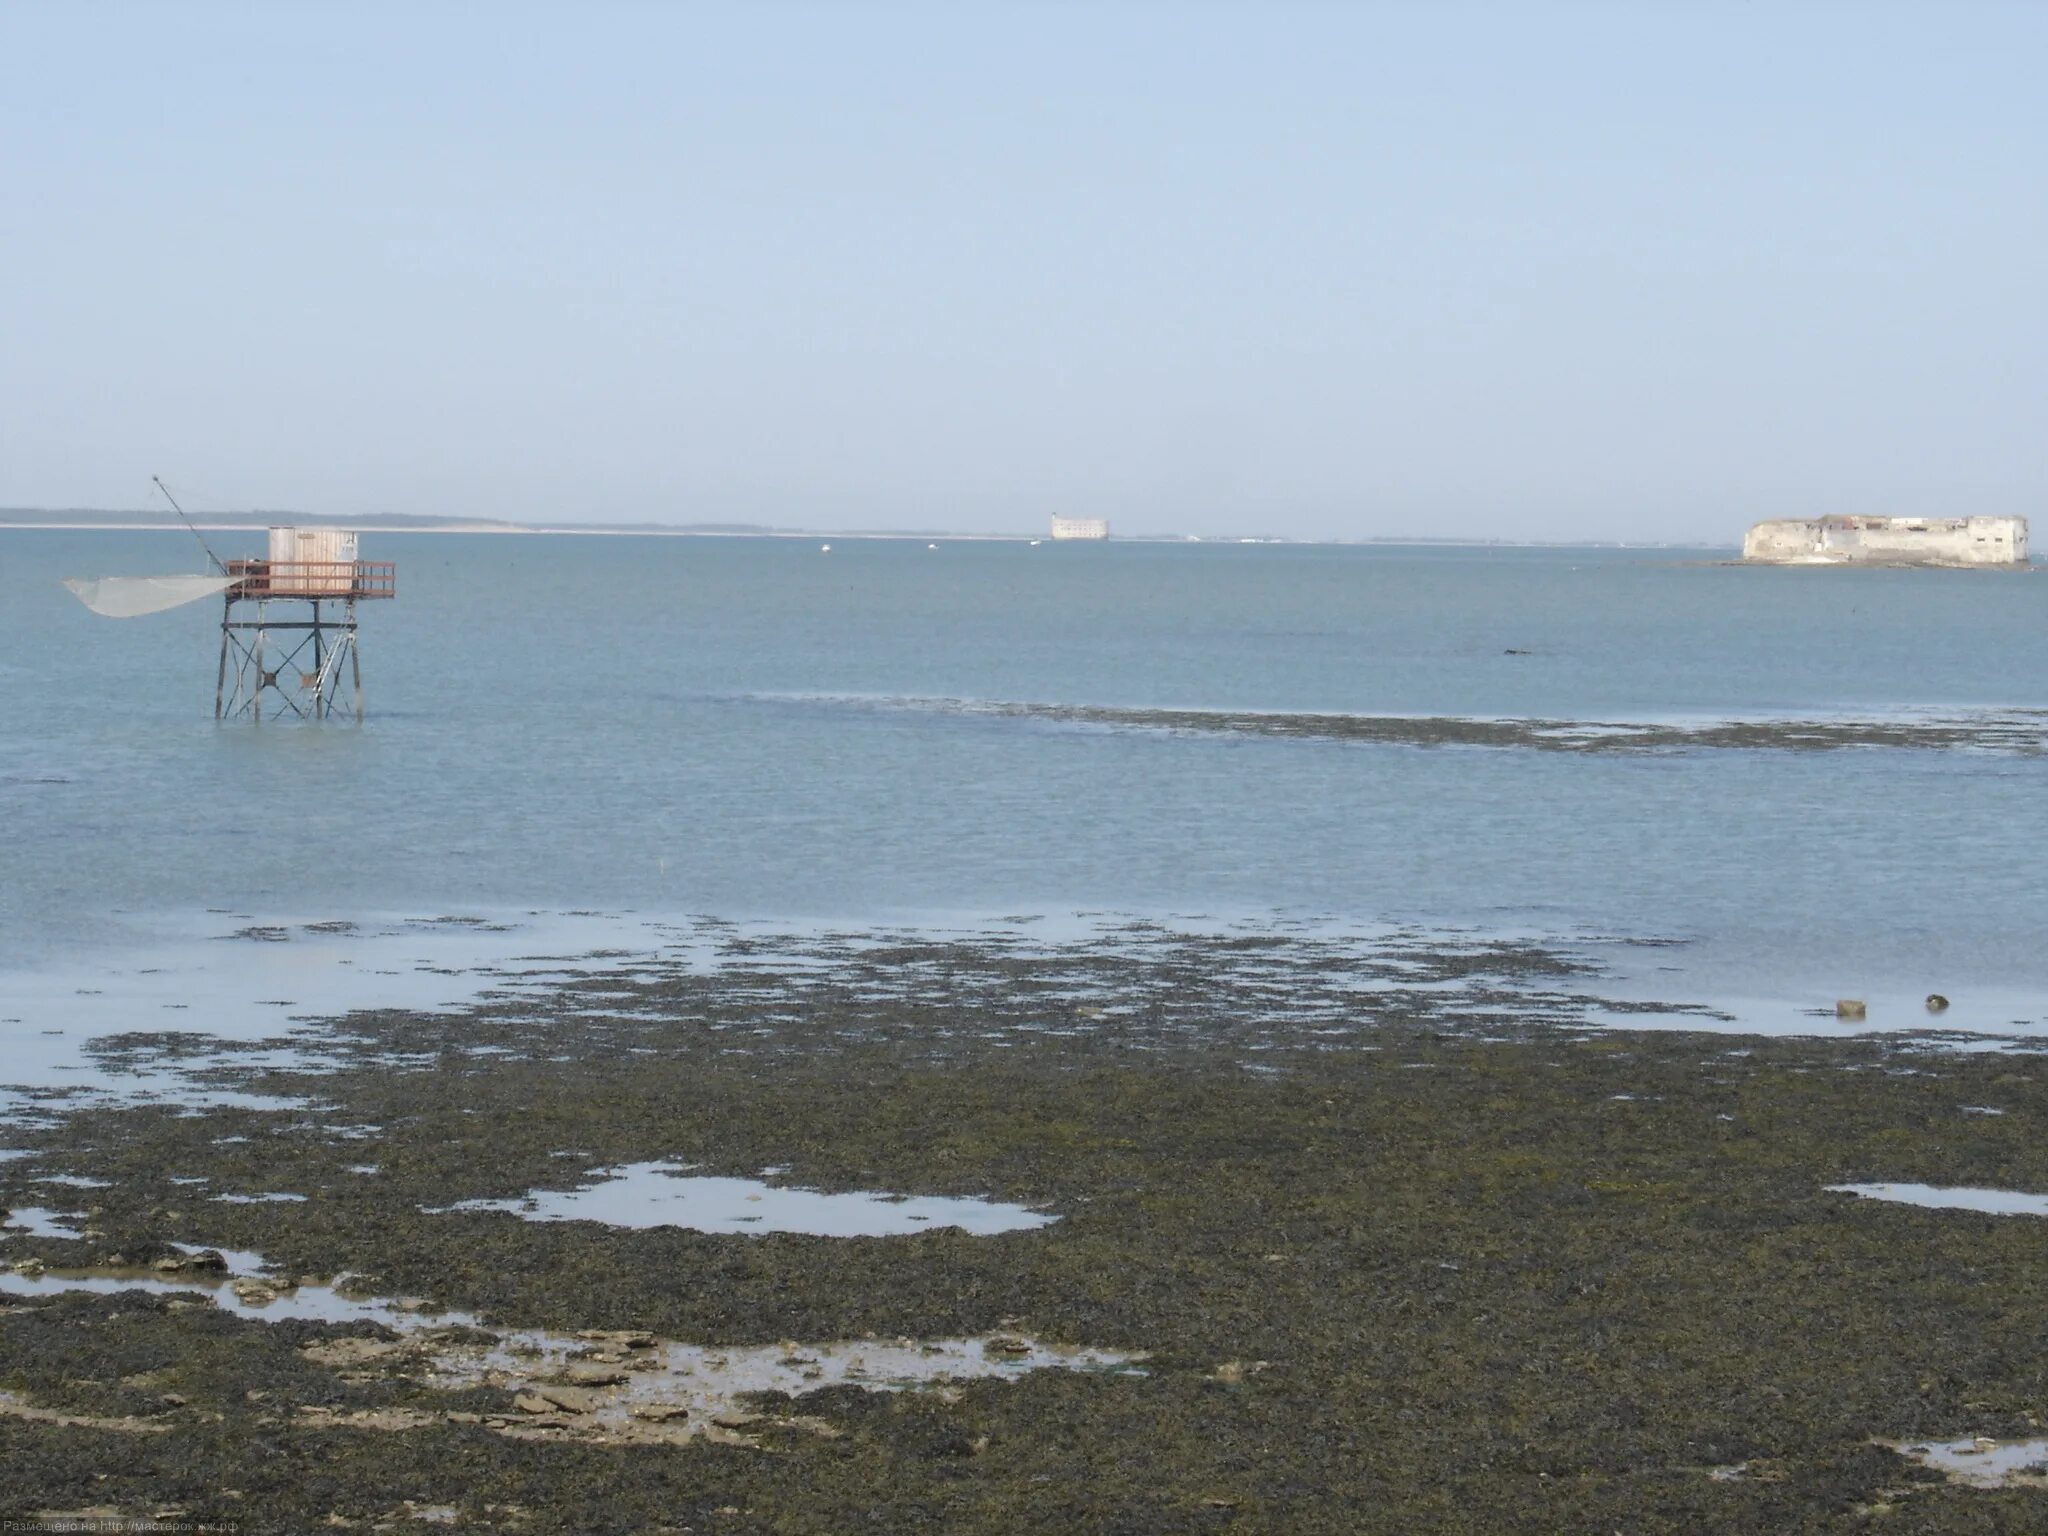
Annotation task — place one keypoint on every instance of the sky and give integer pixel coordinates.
(1515, 270)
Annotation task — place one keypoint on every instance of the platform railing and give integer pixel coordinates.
(313, 578)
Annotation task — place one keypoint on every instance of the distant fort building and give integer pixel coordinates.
(1889, 541)
(1080, 527)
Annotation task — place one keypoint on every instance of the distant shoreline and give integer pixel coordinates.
(373, 525)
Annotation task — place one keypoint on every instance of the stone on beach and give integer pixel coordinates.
(659, 1413)
(568, 1399)
(208, 1261)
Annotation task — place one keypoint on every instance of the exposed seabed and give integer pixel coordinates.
(1265, 1227)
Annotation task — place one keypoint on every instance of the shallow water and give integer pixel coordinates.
(736, 727)
(1990, 1202)
(35, 1221)
(202, 1020)
(668, 1195)
(1984, 1463)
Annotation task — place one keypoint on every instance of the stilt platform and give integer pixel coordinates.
(288, 632)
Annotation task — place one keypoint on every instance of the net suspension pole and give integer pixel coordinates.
(166, 492)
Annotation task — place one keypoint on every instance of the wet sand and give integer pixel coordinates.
(1335, 1243)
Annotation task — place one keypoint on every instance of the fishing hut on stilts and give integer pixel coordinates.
(288, 622)
(288, 627)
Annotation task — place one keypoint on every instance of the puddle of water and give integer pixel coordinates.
(1992, 1202)
(256, 1199)
(35, 1221)
(1984, 1463)
(668, 1195)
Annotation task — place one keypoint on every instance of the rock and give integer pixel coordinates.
(1004, 1345)
(526, 1402)
(344, 1353)
(173, 1399)
(1850, 1008)
(568, 1399)
(1230, 1373)
(207, 1261)
(595, 1375)
(1936, 1003)
(618, 1338)
(254, 1293)
(32, 1268)
(457, 1416)
(659, 1413)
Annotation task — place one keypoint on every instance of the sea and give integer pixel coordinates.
(598, 733)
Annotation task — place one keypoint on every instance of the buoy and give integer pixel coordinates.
(1936, 1003)
(931, 546)
(1850, 1008)
(824, 549)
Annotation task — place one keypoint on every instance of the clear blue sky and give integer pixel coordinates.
(1645, 269)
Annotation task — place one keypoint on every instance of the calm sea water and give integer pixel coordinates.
(753, 727)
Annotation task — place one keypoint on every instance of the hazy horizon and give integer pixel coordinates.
(149, 520)
(1571, 271)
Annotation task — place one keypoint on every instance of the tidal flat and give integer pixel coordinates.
(1337, 1239)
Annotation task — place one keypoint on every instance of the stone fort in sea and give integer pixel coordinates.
(1888, 541)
